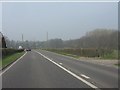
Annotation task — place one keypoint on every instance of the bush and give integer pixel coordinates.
(8, 51)
(86, 52)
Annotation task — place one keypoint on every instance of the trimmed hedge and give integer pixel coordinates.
(86, 52)
(8, 51)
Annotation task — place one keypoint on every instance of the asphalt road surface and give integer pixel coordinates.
(43, 69)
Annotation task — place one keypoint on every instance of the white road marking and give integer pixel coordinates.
(73, 74)
(85, 76)
(79, 59)
(12, 64)
(60, 63)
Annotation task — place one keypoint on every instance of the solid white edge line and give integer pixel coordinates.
(76, 76)
(62, 1)
(78, 59)
(13, 64)
(84, 76)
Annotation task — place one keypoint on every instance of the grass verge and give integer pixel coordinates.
(113, 55)
(117, 65)
(9, 59)
(66, 54)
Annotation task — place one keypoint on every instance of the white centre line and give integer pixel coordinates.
(12, 64)
(73, 74)
(85, 76)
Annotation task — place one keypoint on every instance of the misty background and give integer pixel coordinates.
(60, 20)
(58, 25)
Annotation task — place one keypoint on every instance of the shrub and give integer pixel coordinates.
(86, 52)
(8, 51)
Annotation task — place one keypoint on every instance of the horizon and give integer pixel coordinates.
(60, 20)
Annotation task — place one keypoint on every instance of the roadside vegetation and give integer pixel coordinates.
(9, 56)
(99, 43)
(10, 51)
(118, 64)
(88, 52)
(99, 38)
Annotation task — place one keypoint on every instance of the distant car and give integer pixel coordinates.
(27, 49)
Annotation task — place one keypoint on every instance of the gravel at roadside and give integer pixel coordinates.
(100, 61)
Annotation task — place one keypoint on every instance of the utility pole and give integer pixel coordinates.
(22, 38)
(22, 44)
(47, 36)
(47, 39)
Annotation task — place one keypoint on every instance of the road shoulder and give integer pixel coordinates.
(104, 62)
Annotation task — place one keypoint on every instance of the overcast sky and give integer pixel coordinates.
(60, 20)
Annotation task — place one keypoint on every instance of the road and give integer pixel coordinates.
(42, 69)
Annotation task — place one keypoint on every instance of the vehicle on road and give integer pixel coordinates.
(28, 49)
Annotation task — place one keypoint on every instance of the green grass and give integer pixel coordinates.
(9, 59)
(107, 56)
(113, 55)
(66, 54)
(117, 65)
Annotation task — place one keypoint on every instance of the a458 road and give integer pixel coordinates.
(43, 69)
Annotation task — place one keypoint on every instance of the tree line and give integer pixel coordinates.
(99, 38)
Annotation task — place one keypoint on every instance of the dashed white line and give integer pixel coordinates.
(12, 64)
(60, 63)
(85, 76)
(73, 74)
